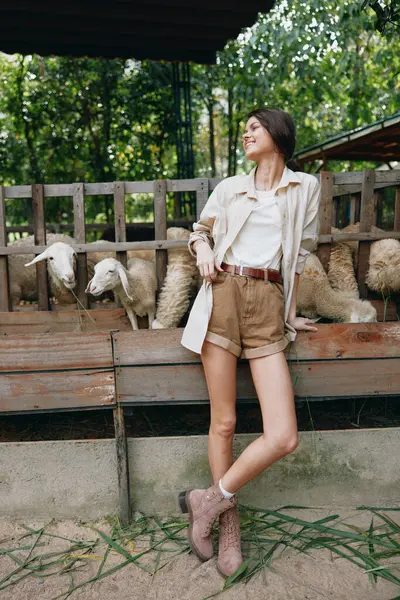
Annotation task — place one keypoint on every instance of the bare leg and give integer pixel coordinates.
(274, 389)
(220, 371)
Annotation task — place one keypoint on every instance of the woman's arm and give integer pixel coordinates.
(298, 323)
(201, 242)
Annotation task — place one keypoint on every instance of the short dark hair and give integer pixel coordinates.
(280, 126)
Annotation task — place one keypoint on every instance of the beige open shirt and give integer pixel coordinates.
(223, 217)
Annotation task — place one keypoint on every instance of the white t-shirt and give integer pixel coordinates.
(259, 243)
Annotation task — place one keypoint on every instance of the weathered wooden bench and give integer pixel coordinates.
(63, 371)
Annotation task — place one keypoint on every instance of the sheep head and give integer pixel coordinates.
(108, 274)
(61, 263)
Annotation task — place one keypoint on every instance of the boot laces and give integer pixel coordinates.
(231, 531)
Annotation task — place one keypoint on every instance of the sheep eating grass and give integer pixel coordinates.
(135, 286)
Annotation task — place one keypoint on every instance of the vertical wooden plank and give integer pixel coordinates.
(122, 464)
(353, 209)
(367, 218)
(397, 210)
(39, 228)
(5, 300)
(378, 208)
(121, 443)
(119, 218)
(325, 216)
(80, 237)
(160, 225)
(202, 191)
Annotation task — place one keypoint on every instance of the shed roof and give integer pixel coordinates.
(143, 29)
(377, 142)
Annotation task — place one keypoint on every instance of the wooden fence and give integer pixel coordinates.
(364, 189)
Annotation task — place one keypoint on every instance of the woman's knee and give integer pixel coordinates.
(283, 443)
(223, 427)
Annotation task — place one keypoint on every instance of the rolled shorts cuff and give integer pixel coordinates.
(267, 350)
(222, 342)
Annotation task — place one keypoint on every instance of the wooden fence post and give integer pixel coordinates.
(397, 210)
(80, 237)
(5, 300)
(202, 191)
(325, 216)
(121, 443)
(119, 219)
(39, 228)
(160, 226)
(367, 218)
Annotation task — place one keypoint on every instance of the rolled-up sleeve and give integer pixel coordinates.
(202, 229)
(309, 239)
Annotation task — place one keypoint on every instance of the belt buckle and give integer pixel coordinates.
(241, 270)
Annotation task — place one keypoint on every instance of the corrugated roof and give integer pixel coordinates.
(379, 141)
(142, 29)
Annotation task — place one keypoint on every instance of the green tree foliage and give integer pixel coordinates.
(65, 120)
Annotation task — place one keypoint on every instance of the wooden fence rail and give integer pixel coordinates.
(364, 188)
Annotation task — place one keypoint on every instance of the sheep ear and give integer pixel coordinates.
(38, 258)
(124, 280)
(87, 291)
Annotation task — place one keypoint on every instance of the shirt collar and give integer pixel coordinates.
(288, 176)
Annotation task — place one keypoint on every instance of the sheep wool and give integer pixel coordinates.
(315, 297)
(341, 273)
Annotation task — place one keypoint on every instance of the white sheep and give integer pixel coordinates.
(383, 273)
(60, 259)
(135, 286)
(179, 282)
(341, 273)
(316, 297)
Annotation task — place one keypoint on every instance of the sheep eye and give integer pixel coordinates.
(112, 271)
(51, 257)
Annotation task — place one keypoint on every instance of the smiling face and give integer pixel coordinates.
(257, 142)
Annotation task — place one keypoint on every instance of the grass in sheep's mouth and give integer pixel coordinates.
(150, 543)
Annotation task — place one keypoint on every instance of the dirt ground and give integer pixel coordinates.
(291, 576)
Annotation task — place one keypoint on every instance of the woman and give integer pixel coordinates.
(251, 244)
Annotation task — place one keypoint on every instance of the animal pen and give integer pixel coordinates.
(63, 360)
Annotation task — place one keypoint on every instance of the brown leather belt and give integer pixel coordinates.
(266, 274)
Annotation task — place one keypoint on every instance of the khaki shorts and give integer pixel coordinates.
(248, 316)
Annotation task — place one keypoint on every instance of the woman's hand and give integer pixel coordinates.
(206, 261)
(302, 324)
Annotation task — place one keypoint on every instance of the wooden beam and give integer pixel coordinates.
(397, 210)
(82, 389)
(52, 352)
(59, 321)
(160, 225)
(121, 447)
(39, 227)
(329, 342)
(202, 193)
(119, 219)
(5, 300)
(314, 378)
(325, 216)
(80, 237)
(367, 219)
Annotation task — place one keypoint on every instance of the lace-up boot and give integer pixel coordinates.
(229, 553)
(203, 506)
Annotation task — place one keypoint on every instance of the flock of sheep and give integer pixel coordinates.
(333, 295)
